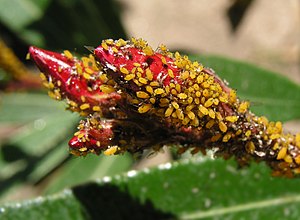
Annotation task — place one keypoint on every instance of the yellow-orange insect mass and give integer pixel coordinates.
(136, 98)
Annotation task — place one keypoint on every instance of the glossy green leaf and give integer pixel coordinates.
(194, 189)
(83, 169)
(17, 14)
(271, 94)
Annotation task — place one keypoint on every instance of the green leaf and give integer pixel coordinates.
(27, 107)
(194, 189)
(83, 169)
(17, 14)
(271, 94)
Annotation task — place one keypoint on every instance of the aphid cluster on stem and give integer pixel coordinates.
(137, 98)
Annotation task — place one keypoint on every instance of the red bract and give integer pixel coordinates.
(153, 98)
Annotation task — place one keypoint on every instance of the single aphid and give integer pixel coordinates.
(137, 98)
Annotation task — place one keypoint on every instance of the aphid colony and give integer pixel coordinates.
(136, 98)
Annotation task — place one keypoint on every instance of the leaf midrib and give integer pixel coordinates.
(239, 208)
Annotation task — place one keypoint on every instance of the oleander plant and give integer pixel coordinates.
(77, 125)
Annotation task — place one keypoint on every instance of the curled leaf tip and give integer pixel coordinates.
(138, 98)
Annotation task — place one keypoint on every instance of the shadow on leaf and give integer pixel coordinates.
(110, 202)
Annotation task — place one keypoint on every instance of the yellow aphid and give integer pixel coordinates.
(248, 133)
(208, 102)
(282, 153)
(238, 132)
(98, 143)
(142, 95)
(189, 108)
(274, 136)
(110, 151)
(152, 100)
(186, 120)
(210, 123)
(149, 89)
(134, 101)
(192, 75)
(154, 84)
(195, 122)
(104, 46)
(68, 54)
(86, 75)
(170, 73)
(124, 70)
(216, 101)
(107, 88)
(169, 111)
(129, 77)
(203, 110)
(227, 137)
(232, 96)
(196, 87)
(243, 107)
(205, 93)
(288, 159)
(198, 94)
(89, 70)
(164, 101)
(82, 149)
(85, 106)
(191, 115)
(231, 119)
(278, 125)
(72, 103)
(211, 113)
(148, 51)
(185, 75)
(250, 147)
(149, 74)
(163, 60)
(174, 92)
(144, 108)
(219, 116)
(121, 43)
(163, 47)
(140, 70)
(109, 41)
(167, 89)
(182, 95)
(51, 85)
(175, 105)
(297, 159)
(103, 78)
(96, 108)
(197, 101)
(179, 114)
(200, 79)
(27, 56)
(298, 140)
(159, 91)
(205, 84)
(216, 137)
(115, 50)
(143, 80)
(190, 100)
(43, 77)
(178, 87)
(222, 126)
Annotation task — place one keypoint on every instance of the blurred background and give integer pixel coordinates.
(34, 130)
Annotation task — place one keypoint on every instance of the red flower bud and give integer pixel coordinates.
(80, 81)
(155, 98)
